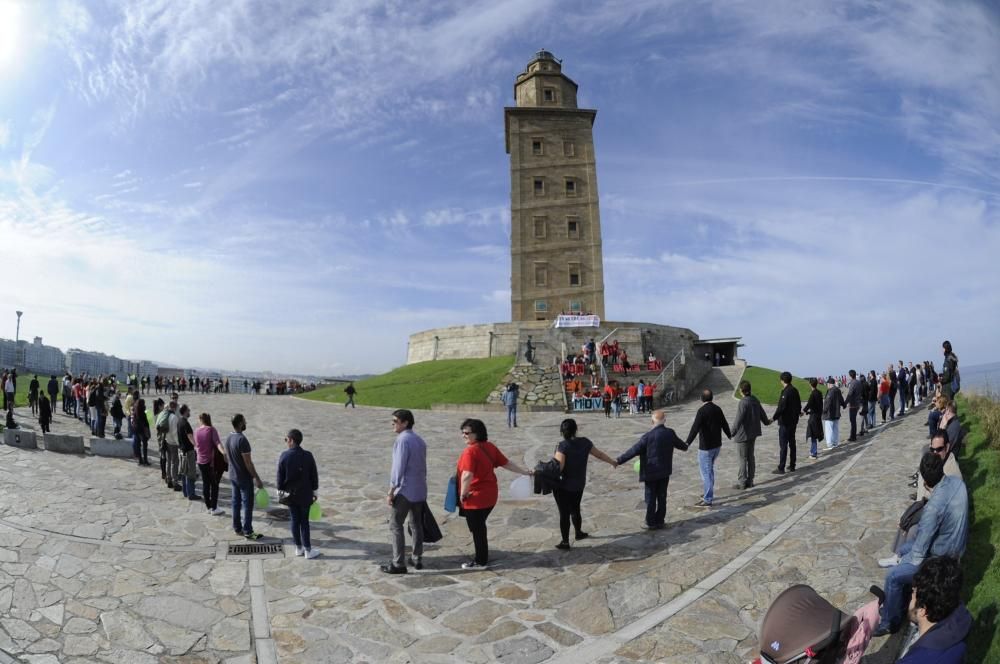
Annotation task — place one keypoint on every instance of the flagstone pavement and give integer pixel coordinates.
(99, 562)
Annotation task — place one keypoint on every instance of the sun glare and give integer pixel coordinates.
(10, 29)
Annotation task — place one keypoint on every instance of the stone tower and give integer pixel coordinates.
(556, 259)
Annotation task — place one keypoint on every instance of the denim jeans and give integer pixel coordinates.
(747, 462)
(706, 464)
(831, 431)
(897, 596)
(511, 416)
(243, 499)
(871, 414)
(933, 418)
(656, 501)
(813, 447)
(299, 515)
(786, 443)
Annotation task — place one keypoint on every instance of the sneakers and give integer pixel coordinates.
(891, 561)
(415, 563)
(314, 553)
(739, 486)
(217, 511)
(702, 503)
(388, 569)
(778, 471)
(252, 536)
(299, 551)
(813, 457)
(472, 564)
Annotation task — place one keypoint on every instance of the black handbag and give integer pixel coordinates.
(432, 532)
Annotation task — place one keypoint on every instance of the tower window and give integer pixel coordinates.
(539, 224)
(541, 306)
(570, 187)
(536, 146)
(539, 186)
(548, 94)
(574, 274)
(541, 274)
(569, 149)
(573, 228)
(576, 306)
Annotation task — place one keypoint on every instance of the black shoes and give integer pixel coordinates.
(416, 563)
(563, 545)
(778, 471)
(392, 569)
(582, 535)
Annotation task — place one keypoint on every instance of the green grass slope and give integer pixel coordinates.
(980, 464)
(425, 383)
(766, 385)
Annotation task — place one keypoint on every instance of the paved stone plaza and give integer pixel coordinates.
(100, 563)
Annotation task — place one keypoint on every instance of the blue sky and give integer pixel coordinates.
(300, 185)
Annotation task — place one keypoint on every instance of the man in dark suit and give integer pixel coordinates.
(787, 416)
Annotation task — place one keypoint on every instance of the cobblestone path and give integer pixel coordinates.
(100, 563)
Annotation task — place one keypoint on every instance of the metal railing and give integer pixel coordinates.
(671, 367)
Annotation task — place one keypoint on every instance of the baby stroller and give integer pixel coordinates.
(801, 626)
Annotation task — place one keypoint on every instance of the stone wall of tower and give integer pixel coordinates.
(556, 255)
(556, 258)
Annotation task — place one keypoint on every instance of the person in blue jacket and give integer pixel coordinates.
(656, 459)
(936, 608)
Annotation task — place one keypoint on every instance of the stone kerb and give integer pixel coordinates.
(20, 438)
(63, 444)
(109, 447)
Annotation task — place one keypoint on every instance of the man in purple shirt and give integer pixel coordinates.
(407, 492)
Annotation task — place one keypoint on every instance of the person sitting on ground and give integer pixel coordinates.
(949, 422)
(943, 530)
(936, 608)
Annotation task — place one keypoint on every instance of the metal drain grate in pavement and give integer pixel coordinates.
(254, 549)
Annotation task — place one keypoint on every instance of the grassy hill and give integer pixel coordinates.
(980, 462)
(766, 385)
(425, 383)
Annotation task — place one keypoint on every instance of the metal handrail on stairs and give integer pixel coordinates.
(671, 367)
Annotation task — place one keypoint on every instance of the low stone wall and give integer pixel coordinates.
(109, 447)
(63, 444)
(20, 438)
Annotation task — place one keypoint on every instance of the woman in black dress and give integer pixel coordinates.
(572, 455)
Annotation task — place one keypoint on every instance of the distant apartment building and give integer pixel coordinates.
(8, 353)
(94, 364)
(39, 358)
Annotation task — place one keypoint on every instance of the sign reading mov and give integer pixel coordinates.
(588, 403)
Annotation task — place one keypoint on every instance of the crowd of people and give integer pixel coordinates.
(925, 562)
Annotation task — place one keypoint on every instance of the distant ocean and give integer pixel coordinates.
(981, 377)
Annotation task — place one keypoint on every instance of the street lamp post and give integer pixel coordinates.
(17, 336)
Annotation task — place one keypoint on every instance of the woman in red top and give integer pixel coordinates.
(478, 485)
(883, 394)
